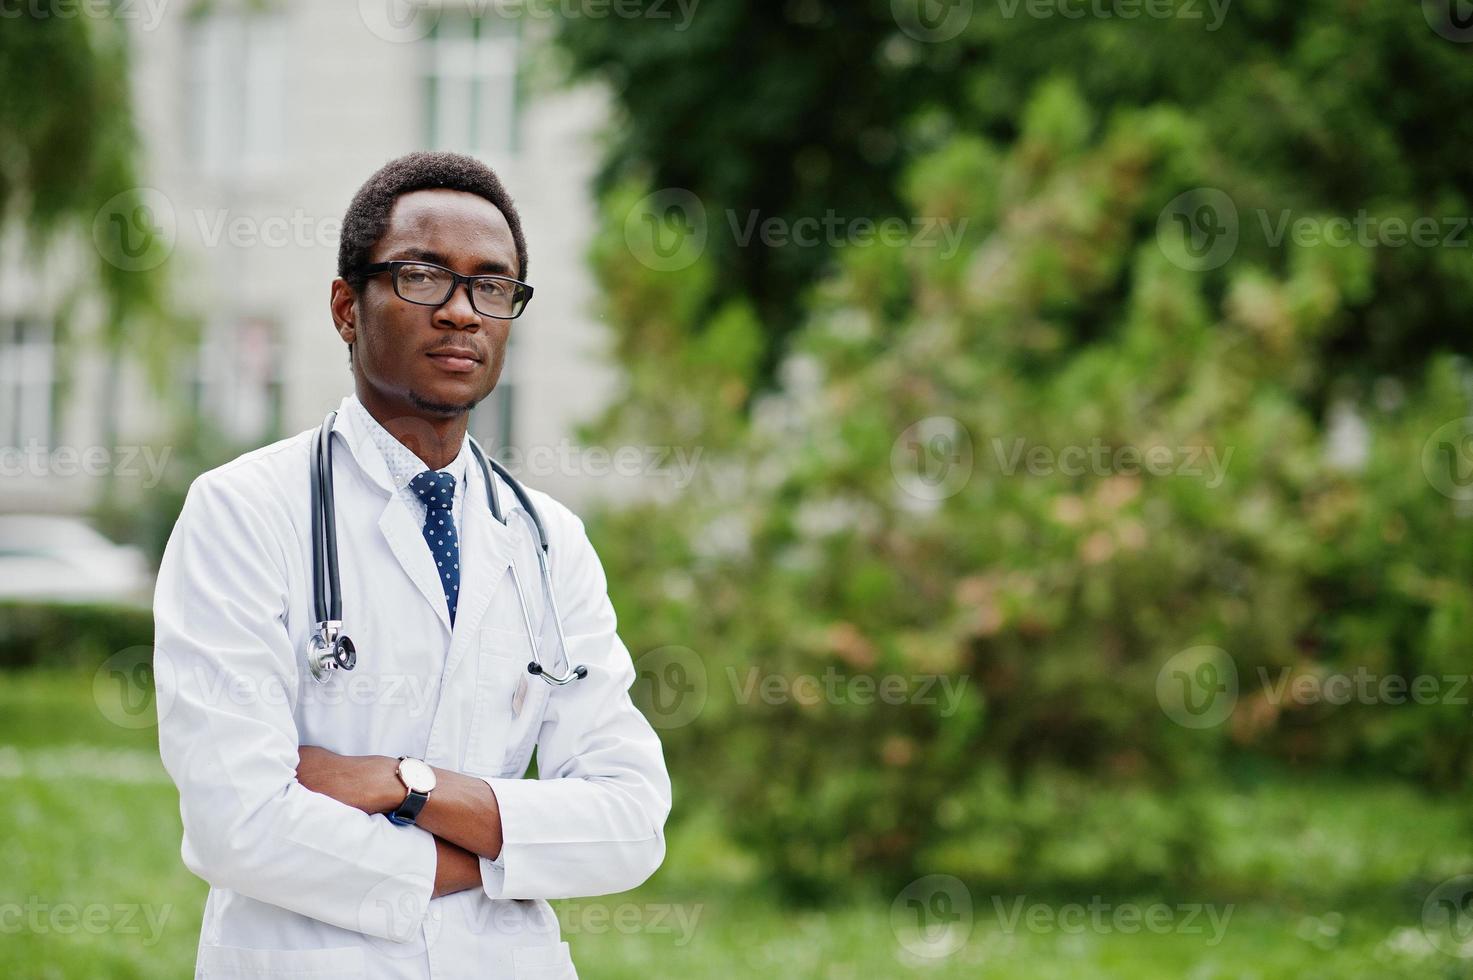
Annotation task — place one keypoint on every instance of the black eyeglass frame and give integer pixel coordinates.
(456, 281)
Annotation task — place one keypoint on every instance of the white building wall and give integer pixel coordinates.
(256, 233)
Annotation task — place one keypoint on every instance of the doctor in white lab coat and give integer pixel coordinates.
(285, 783)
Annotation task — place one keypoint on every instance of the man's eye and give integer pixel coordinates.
(492, 287)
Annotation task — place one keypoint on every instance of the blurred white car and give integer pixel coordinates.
(64, 559)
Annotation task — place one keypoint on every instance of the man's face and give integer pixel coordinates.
(407, 353)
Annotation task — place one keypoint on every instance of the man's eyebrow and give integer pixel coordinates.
(488, 267)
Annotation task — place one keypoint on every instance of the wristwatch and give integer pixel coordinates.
(419, 779)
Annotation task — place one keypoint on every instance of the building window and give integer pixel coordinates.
(238, 379)
(471, 83)
(238, 74)
(27, 382)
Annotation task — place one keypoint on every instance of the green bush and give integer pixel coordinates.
(43, 634)
(877, 514)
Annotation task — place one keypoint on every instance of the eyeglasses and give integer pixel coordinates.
(432, 285)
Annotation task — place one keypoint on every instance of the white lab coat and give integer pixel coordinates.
(303, 886)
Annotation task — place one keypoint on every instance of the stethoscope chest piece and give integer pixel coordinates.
(330, 649)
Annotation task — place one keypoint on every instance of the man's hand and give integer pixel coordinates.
(368, 782)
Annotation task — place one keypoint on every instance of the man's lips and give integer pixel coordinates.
(456, 360)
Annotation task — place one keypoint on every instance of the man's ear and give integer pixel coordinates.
(343, 304)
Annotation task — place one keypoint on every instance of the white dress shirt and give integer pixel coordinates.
(404, 465)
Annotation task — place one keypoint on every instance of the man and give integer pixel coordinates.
(376, 823)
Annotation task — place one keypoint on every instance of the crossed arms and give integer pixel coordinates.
(462, 811)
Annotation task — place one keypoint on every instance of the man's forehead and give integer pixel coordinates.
(426, 210)
(450, 228)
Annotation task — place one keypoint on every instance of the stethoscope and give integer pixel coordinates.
(330, 648)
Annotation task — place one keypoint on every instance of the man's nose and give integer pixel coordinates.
(457, 313)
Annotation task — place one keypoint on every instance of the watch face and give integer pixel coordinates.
(416, 775)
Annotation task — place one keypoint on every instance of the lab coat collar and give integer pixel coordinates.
(487, 546)
(361, 445)
(366, 453)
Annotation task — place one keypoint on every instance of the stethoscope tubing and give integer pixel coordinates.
(329, 648)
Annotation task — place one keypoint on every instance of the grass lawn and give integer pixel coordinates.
(1314, 879)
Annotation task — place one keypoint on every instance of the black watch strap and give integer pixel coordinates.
(409, 809)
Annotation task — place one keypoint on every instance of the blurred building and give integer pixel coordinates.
(260, 120)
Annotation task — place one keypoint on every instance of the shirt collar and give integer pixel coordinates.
(401, 463)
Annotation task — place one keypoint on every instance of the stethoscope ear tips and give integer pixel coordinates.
(579, 672)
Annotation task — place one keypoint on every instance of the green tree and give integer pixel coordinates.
(802, 108)
(68, 162)
(871, 502)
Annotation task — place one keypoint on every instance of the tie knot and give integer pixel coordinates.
(435, 487)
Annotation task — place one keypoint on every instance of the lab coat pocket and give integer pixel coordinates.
(554, 962)
(242, 963)
(503, 658)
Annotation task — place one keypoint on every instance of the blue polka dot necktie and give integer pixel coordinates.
(437, 490)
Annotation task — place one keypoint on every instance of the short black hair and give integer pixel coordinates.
(368, 213)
